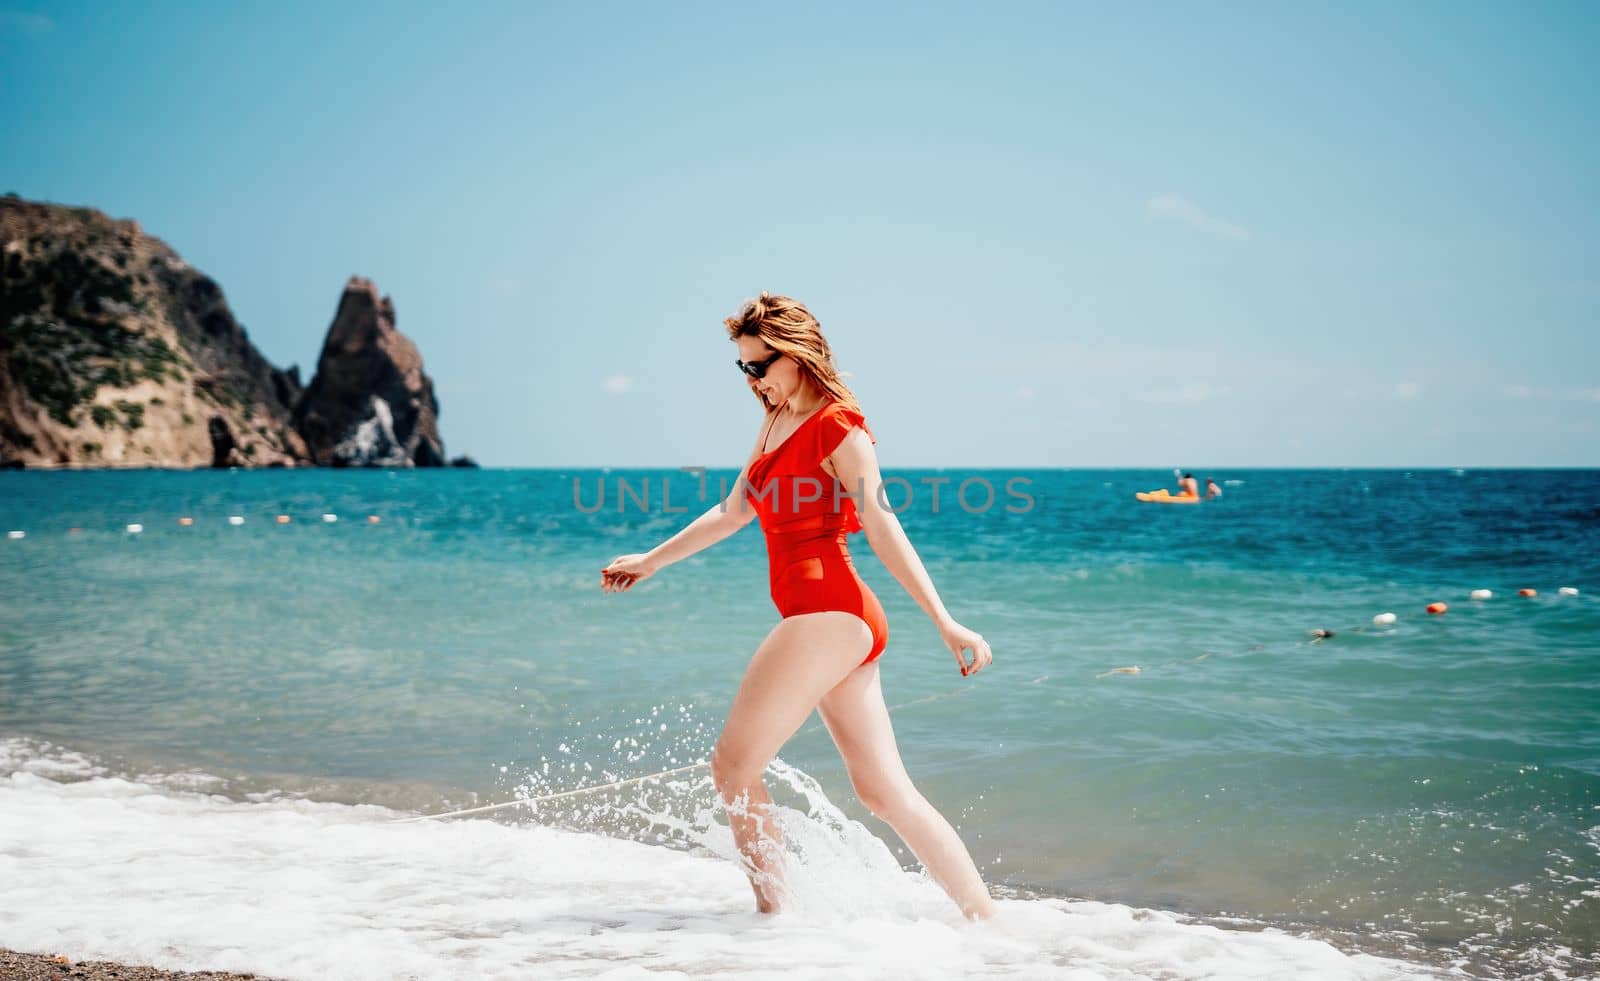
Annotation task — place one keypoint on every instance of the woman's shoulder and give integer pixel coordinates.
(837, 419)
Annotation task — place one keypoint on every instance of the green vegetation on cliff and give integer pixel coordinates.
(62, 331)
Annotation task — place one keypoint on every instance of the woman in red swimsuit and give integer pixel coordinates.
(811, 479)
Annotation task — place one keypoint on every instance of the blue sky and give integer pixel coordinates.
(1191, 235)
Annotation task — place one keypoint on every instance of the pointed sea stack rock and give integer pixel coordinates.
(369, 404)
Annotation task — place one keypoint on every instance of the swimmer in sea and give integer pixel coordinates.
(823, 653)
(1212, 490)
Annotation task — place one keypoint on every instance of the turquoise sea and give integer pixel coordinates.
(1424, 794)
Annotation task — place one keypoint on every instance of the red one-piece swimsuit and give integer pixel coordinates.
(806, 514)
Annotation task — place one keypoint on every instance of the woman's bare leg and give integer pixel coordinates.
(803, 658)
(859, 723)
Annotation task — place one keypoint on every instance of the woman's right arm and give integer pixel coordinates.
(718, 522)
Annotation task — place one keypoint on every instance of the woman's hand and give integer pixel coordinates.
(625, 570)
(959, 639)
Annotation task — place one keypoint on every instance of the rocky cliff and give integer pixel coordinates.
(114, 352)
(370, 403)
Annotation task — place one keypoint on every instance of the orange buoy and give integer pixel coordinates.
(186, 522)
(373, 519)
(1437, 607)
(283, 519)
(1527, 592)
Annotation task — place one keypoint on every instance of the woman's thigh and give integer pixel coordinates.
(801, 659)
(858, 721)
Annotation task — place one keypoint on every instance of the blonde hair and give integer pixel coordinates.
(787, 326)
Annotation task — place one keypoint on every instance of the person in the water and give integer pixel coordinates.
(1212, 490)
(823, 654)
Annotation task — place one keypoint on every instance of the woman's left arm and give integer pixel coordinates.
(855, 462)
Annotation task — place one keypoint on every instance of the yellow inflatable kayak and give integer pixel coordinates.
(1164, 496)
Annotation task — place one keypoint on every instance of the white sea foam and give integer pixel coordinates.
(96, 865)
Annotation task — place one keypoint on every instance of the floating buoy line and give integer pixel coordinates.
(189, 521)
(1381, 621)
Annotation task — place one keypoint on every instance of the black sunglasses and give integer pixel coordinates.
(757, 369)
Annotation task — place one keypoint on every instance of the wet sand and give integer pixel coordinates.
(15, 966)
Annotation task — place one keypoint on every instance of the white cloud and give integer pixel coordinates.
(1195, 392)
(1054, 365)
(1408, 391)
(1171, 207)
(1552, 394)
(1088, 405)
(616, 384)
(503, 285)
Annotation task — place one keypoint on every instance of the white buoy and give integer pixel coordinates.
(329, 518)
(16, 534)
(1482, 594)
(1564, 590)
(135, 529)
(235, 519)
(1384, 620)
